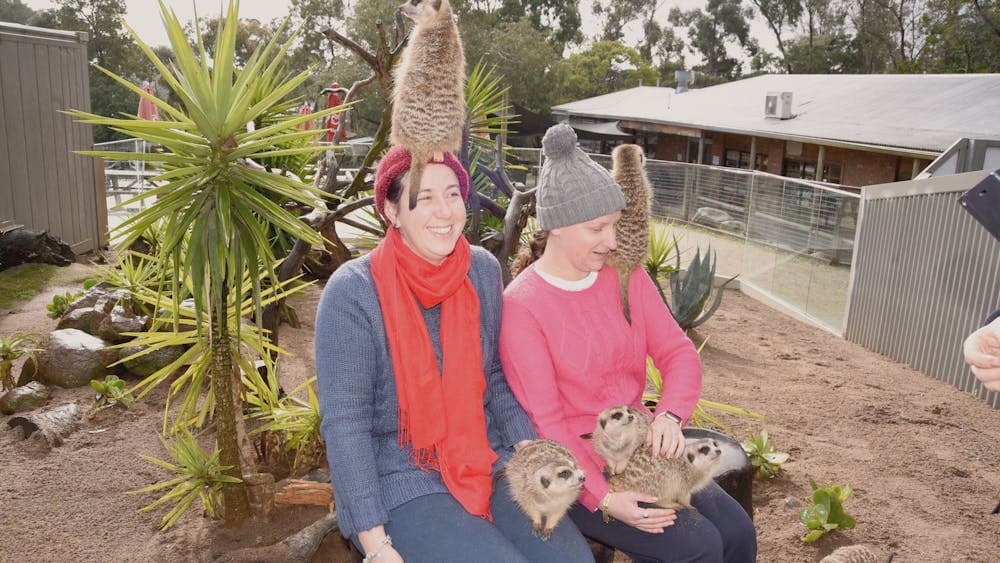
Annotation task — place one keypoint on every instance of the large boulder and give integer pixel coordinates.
(104, 312)
(25, 398)
(20, 246)
(150, 363)
(72, 358)
(711, 217)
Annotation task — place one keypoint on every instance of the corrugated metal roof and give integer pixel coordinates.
(909, 111)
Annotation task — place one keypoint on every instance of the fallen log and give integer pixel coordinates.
(308, 493)
(53, 425)
(297, 548)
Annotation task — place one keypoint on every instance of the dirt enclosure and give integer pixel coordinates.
(922, 457)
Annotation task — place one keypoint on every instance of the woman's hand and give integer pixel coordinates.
(665, 437)
(624, 506)
(389, 555)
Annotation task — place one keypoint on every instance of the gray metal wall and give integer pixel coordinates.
(43, 185)
(926, 274)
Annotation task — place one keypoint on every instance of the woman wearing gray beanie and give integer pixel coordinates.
(569, 353)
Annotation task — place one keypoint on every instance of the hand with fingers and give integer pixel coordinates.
(665, 437)
(982, 353)
(624, 506)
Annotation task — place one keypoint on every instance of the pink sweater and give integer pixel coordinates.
(568, 355)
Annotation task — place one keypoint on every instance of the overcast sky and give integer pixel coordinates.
(144, 17)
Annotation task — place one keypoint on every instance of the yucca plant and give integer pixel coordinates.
(12, 347)
(199, 476)
(690, 292)
(296, 421)
(658, 255)
(702, 416)
(212, 192)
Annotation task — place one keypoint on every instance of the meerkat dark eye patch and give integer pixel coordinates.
(565, 474)
(415, 2)
(703, 450)
(617, 416)
(545, 482)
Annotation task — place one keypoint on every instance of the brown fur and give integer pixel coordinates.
(428, 95)
(620, 431)
(632, 230)
(672, 480)
(545, 480)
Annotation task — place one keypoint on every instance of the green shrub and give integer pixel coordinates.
(764, 455)
(60, 304)
(825, 512)
(12, 347)
(111, 392)
(690, 292)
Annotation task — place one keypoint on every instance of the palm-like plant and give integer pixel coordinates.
(12, 347)
(213, 193)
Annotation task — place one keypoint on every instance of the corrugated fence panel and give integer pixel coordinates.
(43, 185)
(926, 274)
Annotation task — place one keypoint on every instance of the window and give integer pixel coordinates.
(806, 169)
(741, 159)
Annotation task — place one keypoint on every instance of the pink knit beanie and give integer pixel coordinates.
(397, 160)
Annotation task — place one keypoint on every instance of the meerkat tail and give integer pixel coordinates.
(623, 280)
(417, 167)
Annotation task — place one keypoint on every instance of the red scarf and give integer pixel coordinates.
(440, 416)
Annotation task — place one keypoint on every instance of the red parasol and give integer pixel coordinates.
(147, 109)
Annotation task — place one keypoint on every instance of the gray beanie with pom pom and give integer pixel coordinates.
(572, 188)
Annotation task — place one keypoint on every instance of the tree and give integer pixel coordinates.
(559, 19)
(215, 204)
(659, 44)
(251, 35)
(15, 11)
(710, 32)
(779, 15)
(961, 36)
(606, 67)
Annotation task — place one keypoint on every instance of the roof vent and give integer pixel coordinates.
(778, 105)
(684, 79)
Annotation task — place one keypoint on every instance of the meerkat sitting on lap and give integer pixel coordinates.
(545, 480)
(428, 94)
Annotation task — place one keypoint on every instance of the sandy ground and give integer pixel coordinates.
(921, 456)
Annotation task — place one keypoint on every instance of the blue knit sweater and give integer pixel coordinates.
(371, 473)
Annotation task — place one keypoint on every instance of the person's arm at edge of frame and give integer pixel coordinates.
(347, 396)
(531, 375)
(982, 352)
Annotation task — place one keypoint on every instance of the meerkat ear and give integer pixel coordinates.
(545, 482)
(691, 458)
(588, 435)
(436, 4)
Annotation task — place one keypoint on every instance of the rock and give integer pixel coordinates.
(711, 216)
(25, 398)
(52, 425)
(793, 503)
(150, 363)
(733, 226)
(72, 358)
(104, 312)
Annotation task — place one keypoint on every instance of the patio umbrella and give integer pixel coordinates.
(147, 109)
(305, 109)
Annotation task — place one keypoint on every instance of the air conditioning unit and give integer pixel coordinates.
(778, 105)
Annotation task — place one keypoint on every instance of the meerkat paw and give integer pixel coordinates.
(546, 534)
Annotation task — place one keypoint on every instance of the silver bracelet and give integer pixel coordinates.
(378, 551)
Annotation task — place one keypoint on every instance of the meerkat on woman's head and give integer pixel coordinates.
(545, 480)
(428, 93)
(672, 480)
(620, 431)
(632, 229)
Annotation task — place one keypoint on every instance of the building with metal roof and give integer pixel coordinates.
(854, 130)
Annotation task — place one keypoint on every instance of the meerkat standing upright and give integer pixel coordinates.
(632, 230)
(545, 480)
(428, 93)
(620, 431)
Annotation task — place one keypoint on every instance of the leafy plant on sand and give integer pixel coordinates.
(60, 303)
(657, 258)
(12, 347)
(199, 476)
(216, 196)
(764, 455)
(290, 423)
(702, 416)
(111, 392)
(690, 292)
(825, 512)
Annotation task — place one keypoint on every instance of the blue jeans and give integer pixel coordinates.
(719, 531)
(435, 528)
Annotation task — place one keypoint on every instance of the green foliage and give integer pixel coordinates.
(21, 283)
(60, 303)
(198, 476)
(710, 32)
(111, 392)
(764, 455)
(702, 416)
(657, 257)
(690, 293)
(12, 347)
(608, 66)
(825, 512)
(296, 421)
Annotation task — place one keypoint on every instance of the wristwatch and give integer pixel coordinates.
(671, 416)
